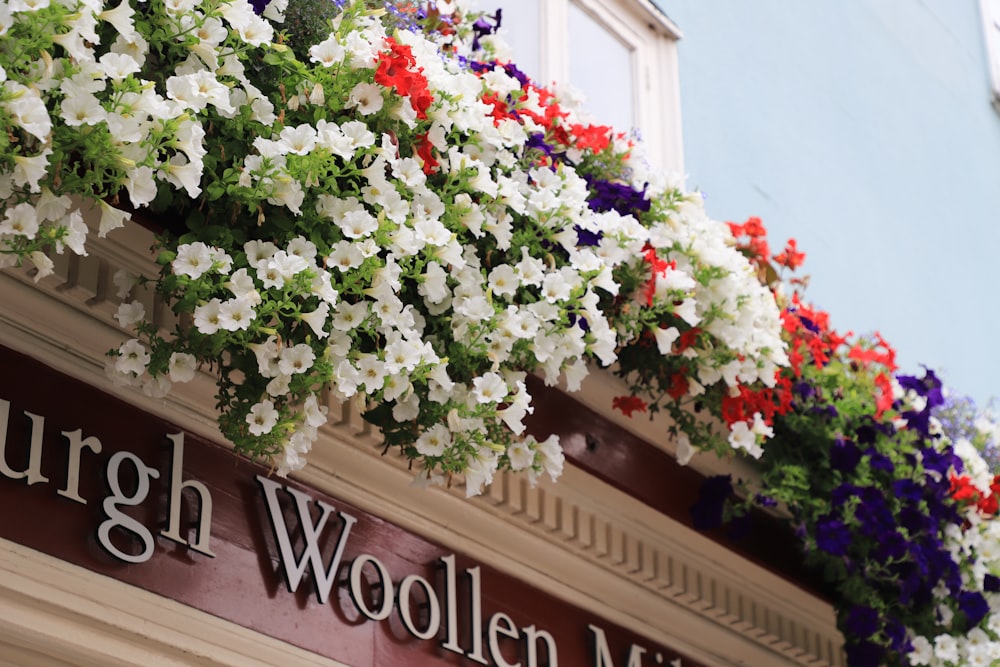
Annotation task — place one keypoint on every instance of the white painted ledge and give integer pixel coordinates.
(53, 614)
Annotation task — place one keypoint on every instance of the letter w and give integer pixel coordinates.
(323, 575)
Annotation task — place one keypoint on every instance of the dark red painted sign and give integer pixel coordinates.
(97, 482)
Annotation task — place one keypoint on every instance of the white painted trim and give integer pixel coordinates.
(990, 12)
(653, 39)
(53, 614)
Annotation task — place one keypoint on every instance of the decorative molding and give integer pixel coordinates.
(53, 614)
(579, 539)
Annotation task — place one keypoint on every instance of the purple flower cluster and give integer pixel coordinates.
(615, 196)
(872, 502)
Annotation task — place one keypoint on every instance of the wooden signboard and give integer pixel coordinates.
(94, 481)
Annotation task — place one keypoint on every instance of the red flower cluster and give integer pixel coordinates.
(809, 332)
(425, 150)
(657, 267)
(593, 137)
(809, 336)
(397, 69)
(552, 117)
(548, 114)
(768, 402)
(756, 244)
(790, 257)
(963, 491)
(628, 404)
(881, 353)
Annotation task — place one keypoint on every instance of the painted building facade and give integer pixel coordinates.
(867, 131)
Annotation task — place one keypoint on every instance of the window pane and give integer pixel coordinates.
(519, 28)
(600, 65)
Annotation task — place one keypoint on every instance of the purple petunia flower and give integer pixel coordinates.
(612, 196)
(844, 455)
(864, 654)
(832, 536)
(974, 606)
(587, 238)
(879, 461)
(482, 27)
(708, 512)
(862, 622)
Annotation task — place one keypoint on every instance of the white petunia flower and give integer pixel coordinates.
(208, 317)
(193, 260)
(242, 286)
(124, 282)
(29, 170)
(82, 109)
(27, 110)
(44, 266)
(314, 413)
(117, 66)
(259, 252)
(687, 311)
(132, 358)
(322, 288)
(279, 385)
(76, 235)
(503, 280)
(298, 140)
(366, 98)
(262, 417)
(130, 313)
(489, 388)
(121, 18)
(111, 219)
(317, 319)
(302, 247)
(328, 53)
(665, 338)
(521, 455)
(296, 359)
(182, 367)
(183, 174)
(20, 220)
(372, 372)
(434, 441)
(236, 315)
(141, 185)
(267, 356)
(350, 315)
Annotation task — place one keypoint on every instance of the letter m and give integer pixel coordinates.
(602, 655)
(312, 555)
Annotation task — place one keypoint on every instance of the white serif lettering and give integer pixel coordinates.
(602, 654)
(323, 575)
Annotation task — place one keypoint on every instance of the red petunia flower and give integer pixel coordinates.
(628, 404)
(883, 399)
(790, 256)
(678, 386)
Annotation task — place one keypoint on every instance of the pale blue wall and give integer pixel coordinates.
(864, 129)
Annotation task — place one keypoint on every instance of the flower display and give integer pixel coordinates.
(382, 212)
(368, 203)
(892, 504)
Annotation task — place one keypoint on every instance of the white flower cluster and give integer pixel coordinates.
(81, 89)
(399, 242)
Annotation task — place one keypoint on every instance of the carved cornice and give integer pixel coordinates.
(580, 539)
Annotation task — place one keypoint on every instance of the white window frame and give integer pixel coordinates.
(653, 39)
(991, 27)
